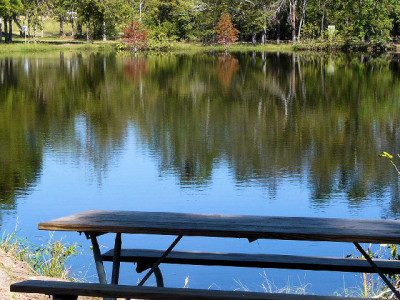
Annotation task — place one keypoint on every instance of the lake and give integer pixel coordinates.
(248, 133)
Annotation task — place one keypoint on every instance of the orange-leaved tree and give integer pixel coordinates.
(226, 32)
(136, 36)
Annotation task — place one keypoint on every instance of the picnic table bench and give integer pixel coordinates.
(95, 223)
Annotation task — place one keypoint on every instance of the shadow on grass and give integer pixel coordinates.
(21, 41)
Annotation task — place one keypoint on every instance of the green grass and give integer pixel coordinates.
(237, 47)
(51, 28)
(50, 41)
(347, 46)
(192, 48)
(68, 44)
(48, 259)
(51, 45)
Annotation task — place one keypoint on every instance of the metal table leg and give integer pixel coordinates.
(98, 260)
(116, 259)
(160, 260)
(373, 265)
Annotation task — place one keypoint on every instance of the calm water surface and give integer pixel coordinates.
(255, 133)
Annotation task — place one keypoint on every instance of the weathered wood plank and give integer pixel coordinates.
(144, 292)
(257, 261)
(252, 227)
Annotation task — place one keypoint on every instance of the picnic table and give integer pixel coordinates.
(94, 223)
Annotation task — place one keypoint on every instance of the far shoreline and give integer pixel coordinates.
(50, 45)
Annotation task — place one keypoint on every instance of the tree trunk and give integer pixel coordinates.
(293, 19)
(41, 22)
(21, 32)
(264, 36)
(5, 29)
(29, 28)
(104, 31)
(1, 31)
(323, 19)
(10, 30)
(61, 27)
(72, 27)
(79, 29)
(278, 33)
(264, 30)
(253, 36)
(87, 31)
(140, 10)
(303, 17)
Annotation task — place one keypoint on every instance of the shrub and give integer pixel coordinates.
(136, 36)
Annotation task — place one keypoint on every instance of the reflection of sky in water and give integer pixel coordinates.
(135, 163)
(133, 182)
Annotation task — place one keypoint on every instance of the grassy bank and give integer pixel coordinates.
(344, 46)
(67, 44)
(48, 259)
(49, 46)
(237, 47)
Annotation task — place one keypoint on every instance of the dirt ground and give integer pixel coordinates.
(12, 270)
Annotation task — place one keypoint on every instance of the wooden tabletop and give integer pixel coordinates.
(235, 226)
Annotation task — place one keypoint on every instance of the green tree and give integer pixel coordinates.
(60, 10)
(89, 12)
(34, 12)
(5, 10)
(169, 19)
(9, 9)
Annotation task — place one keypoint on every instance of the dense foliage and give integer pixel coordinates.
(195, 20)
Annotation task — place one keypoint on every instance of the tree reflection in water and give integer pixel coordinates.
(317, 118)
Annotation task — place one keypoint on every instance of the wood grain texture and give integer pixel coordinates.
(147, 256)
(234, 226)
(144, 292)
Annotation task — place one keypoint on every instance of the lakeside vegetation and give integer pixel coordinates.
(48, 46)
(313, 24)
(20, 48)
(49, 259)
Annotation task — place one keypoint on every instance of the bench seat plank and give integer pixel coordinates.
(148, 256)
(145, 292)
(234, 226)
